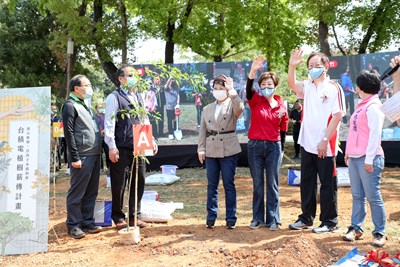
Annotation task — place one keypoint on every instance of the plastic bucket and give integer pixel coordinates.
(169, 169)
(151, 195)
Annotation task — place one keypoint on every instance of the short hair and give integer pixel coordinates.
(269, 75)
(369, 81)
(121, 72)
(324, 58)
(219, 79)
(76, 81)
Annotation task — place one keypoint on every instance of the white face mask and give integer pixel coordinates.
(220, 94)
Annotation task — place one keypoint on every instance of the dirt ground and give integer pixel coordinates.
(185, 241)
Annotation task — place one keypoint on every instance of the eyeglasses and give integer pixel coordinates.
(85, 85)
(129, 75)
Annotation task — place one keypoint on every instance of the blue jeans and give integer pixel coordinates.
(215, 168)
(366, 186)
(265, 156)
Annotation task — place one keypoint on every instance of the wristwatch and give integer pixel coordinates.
(325, 138)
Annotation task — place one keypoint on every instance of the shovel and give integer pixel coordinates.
(177, 132)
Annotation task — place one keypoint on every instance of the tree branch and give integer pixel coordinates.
(337, 41)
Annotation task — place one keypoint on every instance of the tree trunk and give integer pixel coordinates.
(170, 45)
(323, 34)
(217, 58)
(267, 43)
(372, 26)
(124, 24)
(104, 56)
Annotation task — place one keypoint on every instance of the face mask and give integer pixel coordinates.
(315, 72)
(267, 92)
(101, 110)
(220, 94)
(89, 93)
(131, 82)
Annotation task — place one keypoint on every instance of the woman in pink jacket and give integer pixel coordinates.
(364, 156)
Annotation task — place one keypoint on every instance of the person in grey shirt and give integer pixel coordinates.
(83, 139)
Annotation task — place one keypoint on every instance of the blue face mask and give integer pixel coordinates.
(89, 93)
(315, 73)
(131, 82)
(267, 92)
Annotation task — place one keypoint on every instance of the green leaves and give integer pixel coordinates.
(25, 57)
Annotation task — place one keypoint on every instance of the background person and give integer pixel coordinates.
(246, 111)
(100, 116)
(150, 101)
(365, 158)
(56, 118)
(324, 108)
(83, 139)
(219, 146)
(198, 97)
(269, 119)
(172, 103)
(396, 76)
(295, 118)
(347, 86)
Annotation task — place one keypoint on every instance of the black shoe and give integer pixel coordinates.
(76, 233)
(230, 225)
(91, 229)
(210, 224)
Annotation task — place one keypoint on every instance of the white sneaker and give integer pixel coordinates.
(298, 225)
(352, 235)
(325, 229)
(68, 171)
(170, 136)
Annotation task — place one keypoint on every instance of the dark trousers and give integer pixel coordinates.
(64, 150)
(296, 144)
(154, 125)
(225, 167)
(160, 125)
(171, 122)
(108, 161)
(82, 193)
(120, 173)
(311, 165)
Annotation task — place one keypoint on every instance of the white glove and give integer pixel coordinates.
(177, 106)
